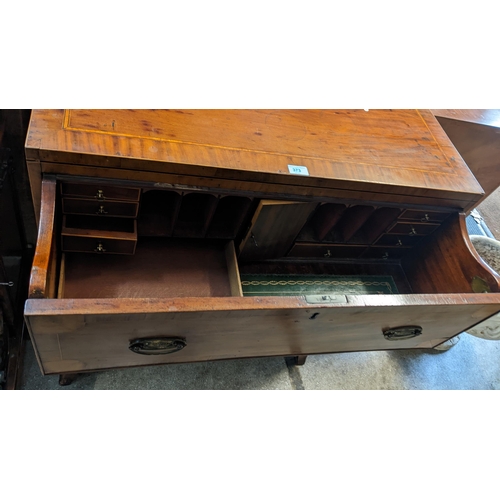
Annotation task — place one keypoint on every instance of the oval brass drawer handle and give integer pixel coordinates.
(100, 195)
(160, 345)
(402, 332)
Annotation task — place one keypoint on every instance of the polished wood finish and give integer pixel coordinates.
(233, 270)
(274, 228)
(43, 262)
(35, 179)
(423, 216)
(91, 234)
(342, 149)
(382, 198)
(99, 208)
(99, 192)
(77, 335)
(489, 117)
(476, 135)
(192, 268)
(447, 262)
(257, 189)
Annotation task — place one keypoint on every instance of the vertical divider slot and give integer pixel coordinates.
(233, 270)
(195, 214)
(158, 213)
(228, 216)
(376, 224)
(351, 221)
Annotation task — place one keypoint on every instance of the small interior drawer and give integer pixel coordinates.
(397, 240)
(99, 191)
(97, 244)
(412, 228)
(97, 235)
(317, 251)
(423, 216)
(102, 208)
(386, 253)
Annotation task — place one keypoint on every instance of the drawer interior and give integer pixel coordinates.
(175, 268)
(160, 268)
(185, 245)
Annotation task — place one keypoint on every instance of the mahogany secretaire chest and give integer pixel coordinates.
(169, 236)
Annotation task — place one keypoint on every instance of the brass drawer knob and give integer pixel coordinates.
(412, 231)
(99, 248)
(101, 210)
(425, 218)
(100, 194)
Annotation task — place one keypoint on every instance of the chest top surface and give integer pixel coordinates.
(405, 151)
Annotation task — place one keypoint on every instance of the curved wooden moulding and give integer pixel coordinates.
(44, 268)
(447, 262)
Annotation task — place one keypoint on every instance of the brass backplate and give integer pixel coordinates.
(479, 285)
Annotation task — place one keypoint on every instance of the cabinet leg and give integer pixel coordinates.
(300, 360)
(67, 378)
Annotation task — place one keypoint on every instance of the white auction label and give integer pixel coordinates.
(298, 170)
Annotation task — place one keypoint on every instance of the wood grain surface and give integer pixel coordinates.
(273, 229)
(79, 335)
(447, 262)
(394, 151)
(43, 261)
(159, 268)
(490, 117)
(476, 135)
(190, 288)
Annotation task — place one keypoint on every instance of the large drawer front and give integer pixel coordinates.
(87, 334)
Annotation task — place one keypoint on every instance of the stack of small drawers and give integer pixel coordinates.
(410, 227)
(99, 218)
(364, 231)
